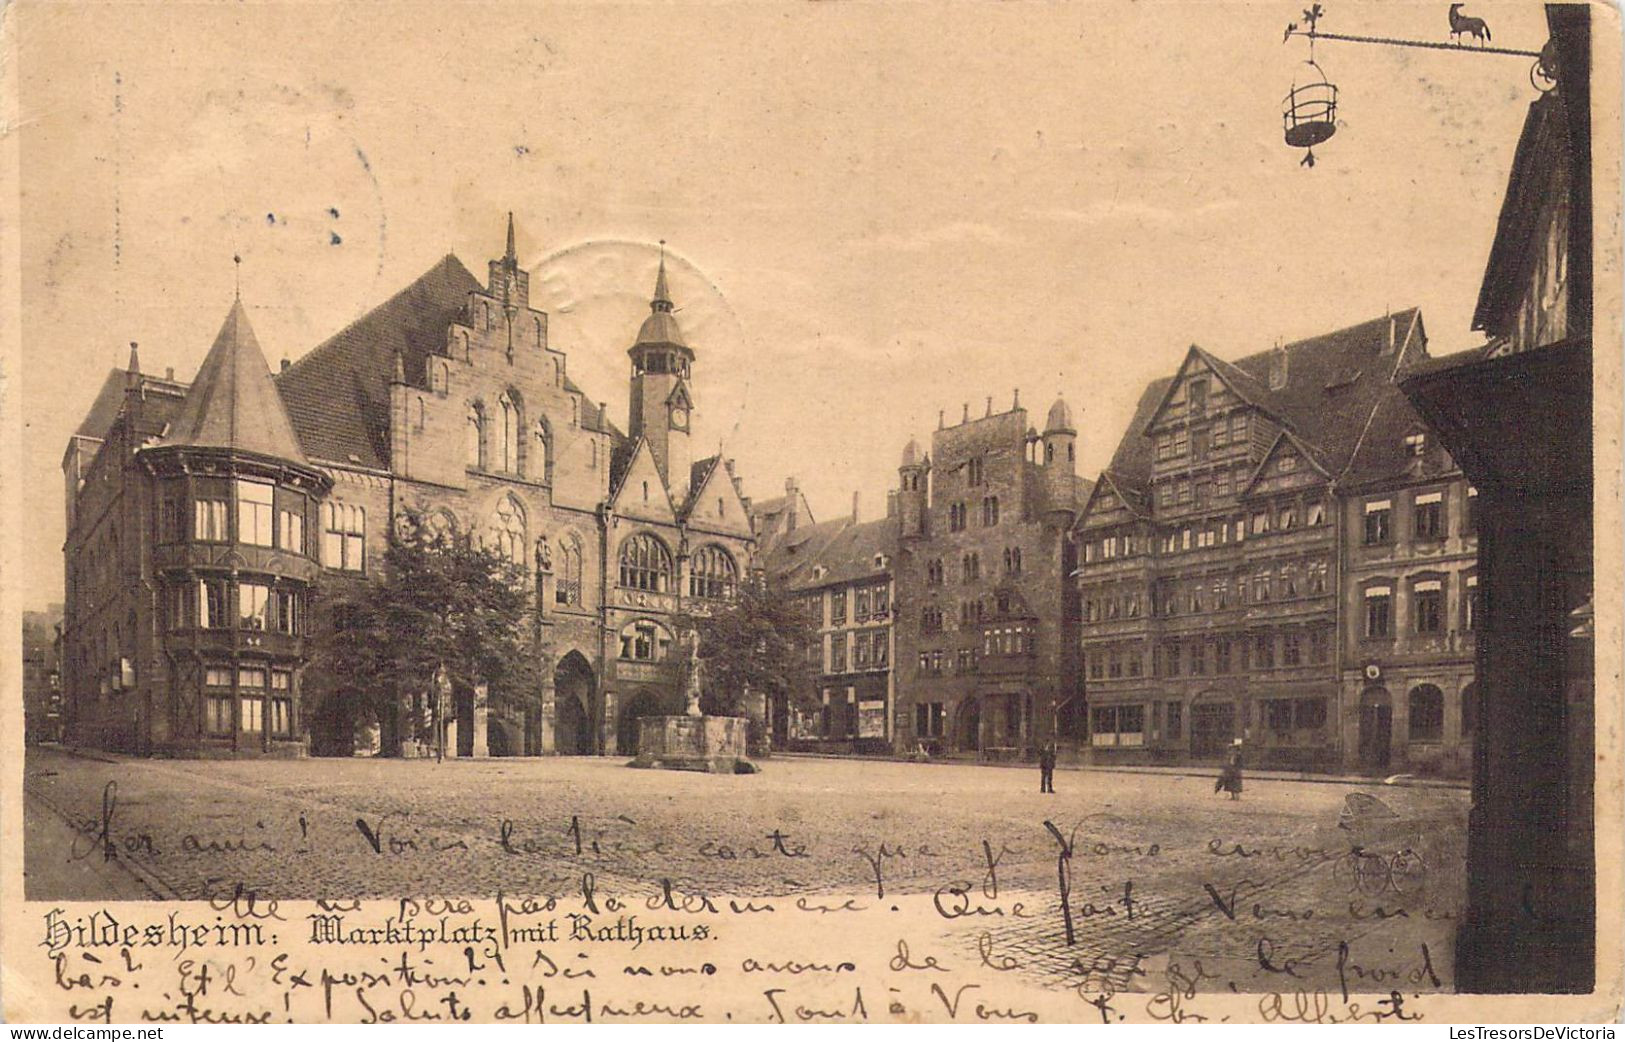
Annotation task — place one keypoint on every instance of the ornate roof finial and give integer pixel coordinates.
(662, 297)
(510, 257)
(237, 262)
(135, 358)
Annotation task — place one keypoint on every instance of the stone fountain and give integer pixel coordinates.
(694, 741)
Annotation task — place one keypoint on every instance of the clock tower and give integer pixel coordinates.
(662, 401)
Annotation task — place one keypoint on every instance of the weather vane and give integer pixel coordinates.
(1309, 111)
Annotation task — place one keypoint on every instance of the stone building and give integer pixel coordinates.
(448, 401)
(1223, 555)
(1518, 416)
(840, 572)
(189, 563)
(986, 662)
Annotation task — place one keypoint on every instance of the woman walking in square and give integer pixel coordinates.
(1230, 776)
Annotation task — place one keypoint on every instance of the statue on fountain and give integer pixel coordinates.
(694, 741)
(696, 674)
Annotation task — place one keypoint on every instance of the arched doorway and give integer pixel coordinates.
(572, 695)
(968, 726)
(1376, 727)
(642, 703)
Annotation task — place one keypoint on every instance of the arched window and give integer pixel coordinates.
(1427, 713)
(567, 573)
(645, 641)
(508, 530)
(712, 574)
(645, 564)
(476, 437)
(512, 423)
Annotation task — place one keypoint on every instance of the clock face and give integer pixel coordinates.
(679, 417)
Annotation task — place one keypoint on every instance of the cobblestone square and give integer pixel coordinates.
(1167, 881)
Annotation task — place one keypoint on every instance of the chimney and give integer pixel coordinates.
(891, 502)
(854, 507)
(941, 422)
(790, 499)
(965, 416)
(1016, 402)
(989, 406)
(286, 365)
(132, 375)
(1278, 367)
(169, 372)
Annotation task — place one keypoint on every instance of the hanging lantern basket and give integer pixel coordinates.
(1309, 111)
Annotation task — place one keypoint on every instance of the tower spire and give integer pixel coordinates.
(510, 258)
(662, 297)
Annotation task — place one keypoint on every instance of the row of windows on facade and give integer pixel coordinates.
(1427, 593)
(870, 650)
(646, 564)
(243, 604)
(1428, 520)
(869, 603)
(497, 443)
(971, 612)
(1125, 725)
(242, 709)
(959, 514)
(1174, 597)
(1198, 441)
(997, 642)
(1427, 523)
(1218, 656)
(1282, 517)
(970, 566)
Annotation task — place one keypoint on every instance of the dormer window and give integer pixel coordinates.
(1416, 444)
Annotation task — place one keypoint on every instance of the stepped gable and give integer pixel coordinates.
(233, 403)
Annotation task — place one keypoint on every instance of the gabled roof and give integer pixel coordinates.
(838, 551)
(1133, 500)
(1540, 148)
(790, 559)
(338, 394)
(1330, 401)
(233, 403)
(105, 408)
(640, 459)
(1286, 437)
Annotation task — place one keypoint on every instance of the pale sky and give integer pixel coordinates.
(875, 212)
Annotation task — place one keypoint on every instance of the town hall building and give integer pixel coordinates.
(201, 519)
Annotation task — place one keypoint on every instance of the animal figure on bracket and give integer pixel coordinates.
(1477, 28)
